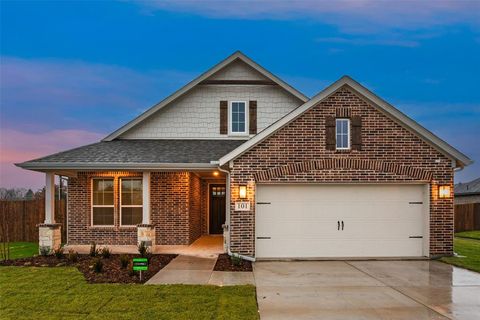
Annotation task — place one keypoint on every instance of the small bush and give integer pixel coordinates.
(131, 272)
(124, 261)
(143, 249)
(93, 249)
(58, 252)
(44, 251)
(105, 252)
(236, 260)
(72, 256)
(97, 265)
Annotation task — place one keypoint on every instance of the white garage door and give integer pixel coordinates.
(316, 221)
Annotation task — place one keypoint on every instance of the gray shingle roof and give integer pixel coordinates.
(139, 151)
(472, 187)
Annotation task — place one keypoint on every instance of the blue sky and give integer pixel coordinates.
(72, 72)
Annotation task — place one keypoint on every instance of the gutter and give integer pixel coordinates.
(113, 165)
(227, 200)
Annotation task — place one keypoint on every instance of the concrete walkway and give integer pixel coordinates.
(199, 270)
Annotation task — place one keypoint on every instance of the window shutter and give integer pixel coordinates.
(252, 107)
(223, 117)
(356, 133)
(330, 132)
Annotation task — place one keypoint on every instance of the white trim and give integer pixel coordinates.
(348, 134)
(193, 83)
(130, 205)
(377, 102)
(140, 166)
(101, 206)
(230, 119)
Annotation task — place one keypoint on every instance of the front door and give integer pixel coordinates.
(217, 208)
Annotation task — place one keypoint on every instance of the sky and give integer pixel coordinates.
(73, 72)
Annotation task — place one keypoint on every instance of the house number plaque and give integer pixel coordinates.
(242, 206)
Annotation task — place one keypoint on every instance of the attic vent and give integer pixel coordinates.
(342, 112)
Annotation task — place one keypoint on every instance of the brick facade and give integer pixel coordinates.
(297, 153)
(176, 203)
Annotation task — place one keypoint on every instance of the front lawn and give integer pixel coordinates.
(469, 234)
(62, 293)
(469, 254)
(21, 250)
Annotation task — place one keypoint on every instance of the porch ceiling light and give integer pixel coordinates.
(242, 192)
(215, 173)
(444, 192)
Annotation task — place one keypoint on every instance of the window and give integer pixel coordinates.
(342, 134)
(102, 202)
(238, 116)
(131, 202)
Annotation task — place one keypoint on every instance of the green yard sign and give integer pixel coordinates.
(140, 264)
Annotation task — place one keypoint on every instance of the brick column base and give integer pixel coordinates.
(146, 233)
(49, 236)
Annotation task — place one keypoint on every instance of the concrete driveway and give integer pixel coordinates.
(366, 290)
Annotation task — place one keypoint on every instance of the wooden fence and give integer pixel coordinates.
(20, 219)
(467, 217)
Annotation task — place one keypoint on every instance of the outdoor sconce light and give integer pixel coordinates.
(242, 192)
(444, 192)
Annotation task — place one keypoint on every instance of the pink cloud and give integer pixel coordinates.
(17, 146)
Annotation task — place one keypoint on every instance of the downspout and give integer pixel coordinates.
(230, 253)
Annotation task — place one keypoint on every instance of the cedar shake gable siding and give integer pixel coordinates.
(297, 153)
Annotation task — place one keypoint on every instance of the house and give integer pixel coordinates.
(239, 152)
(467, 192)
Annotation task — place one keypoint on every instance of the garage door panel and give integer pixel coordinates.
(302, 220)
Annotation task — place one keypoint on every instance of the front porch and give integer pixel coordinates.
(178, 212)
(207, 246)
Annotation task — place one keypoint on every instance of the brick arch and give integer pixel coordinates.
(343, 163)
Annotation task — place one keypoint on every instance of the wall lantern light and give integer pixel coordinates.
(242, 192)
(444, 192)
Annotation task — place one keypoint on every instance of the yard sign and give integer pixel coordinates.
(140, 264)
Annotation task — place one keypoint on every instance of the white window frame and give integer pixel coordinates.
(101, 206)
(129, 206)
(230, 119)
(348, 133)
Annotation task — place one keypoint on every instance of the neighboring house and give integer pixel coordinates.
(343, 174)
(467, 192)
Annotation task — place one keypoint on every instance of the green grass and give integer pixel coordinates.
(62, 293)
(469, 234)
(21, 249)
(469, 251)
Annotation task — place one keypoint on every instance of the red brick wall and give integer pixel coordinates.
(297, 153)
(176, 210)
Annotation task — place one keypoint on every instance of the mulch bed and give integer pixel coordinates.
(111, 271)
(224, 263)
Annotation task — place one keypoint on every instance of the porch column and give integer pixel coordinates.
(146, 198)
(49, 232)
(49, 198)
(146, 230)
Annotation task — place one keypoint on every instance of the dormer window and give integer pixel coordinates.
(342, 134)
(238, 118)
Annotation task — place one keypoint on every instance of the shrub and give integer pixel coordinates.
(143, 249)
(97, 265)
(44, 251)
(131, 272)
(93, 249)
(58, 252)
(105, 252)
(124, 261)
(72, 256)
(236, 260)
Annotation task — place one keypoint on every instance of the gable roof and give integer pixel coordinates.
(459, 158)
(469, 188)
(137, 154)
(237, 55)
